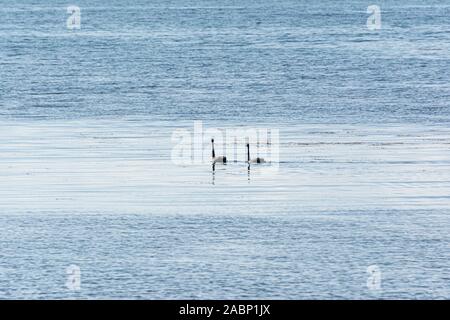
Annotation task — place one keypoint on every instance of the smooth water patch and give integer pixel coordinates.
(126, 167)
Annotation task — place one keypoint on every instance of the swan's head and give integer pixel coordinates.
(212, 140)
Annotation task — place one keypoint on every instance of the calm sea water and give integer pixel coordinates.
(86, 177)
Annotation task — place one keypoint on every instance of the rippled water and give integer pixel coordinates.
(86, 124)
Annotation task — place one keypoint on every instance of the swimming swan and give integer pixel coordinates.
(255, 160)
(219, 159)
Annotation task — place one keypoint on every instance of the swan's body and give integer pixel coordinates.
(218, 159)
(254, 160)
(257, 160)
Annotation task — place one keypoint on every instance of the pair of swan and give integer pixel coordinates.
(223, 159)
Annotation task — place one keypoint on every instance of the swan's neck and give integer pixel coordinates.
(248, 152)
(213, 153)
